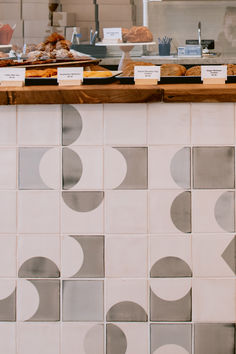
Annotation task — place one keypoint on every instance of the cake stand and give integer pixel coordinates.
(126, 49)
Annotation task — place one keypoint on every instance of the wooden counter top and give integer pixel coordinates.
(116, 93)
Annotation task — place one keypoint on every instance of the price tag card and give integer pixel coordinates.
(12, 76)
(70, 76)
(214, 74)
(147, 75)
(112, 34)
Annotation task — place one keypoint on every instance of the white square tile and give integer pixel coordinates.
(8, 338)
(82, 212)
(214, 255)
(214, 300)
(213, 211)
(212, 123)
(7, 256)
(83, 168)
(82, 124)
(169, 211)
(133, 252)
(7, 212)
(125, 123)
(39, 125)
(169, 123)
(169, 167)
(82, 338)
(38, 212)
(126, 212)
(8, 169)
(8, 125)
(38, 338)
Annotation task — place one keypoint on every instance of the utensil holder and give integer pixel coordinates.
(164, 49)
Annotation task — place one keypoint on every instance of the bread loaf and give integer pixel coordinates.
(194, 71)
(137, 34)
(172, 70)
(129, 68)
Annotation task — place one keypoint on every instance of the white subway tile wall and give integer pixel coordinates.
(117, 229)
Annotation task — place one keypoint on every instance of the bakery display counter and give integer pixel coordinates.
(117, 93)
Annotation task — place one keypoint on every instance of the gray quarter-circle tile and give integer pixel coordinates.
(71, 124)
(93, 250)
(229, 255)
(116, 341)
(72, 168)
(8, 308)
(177, 310)
(49, 300)
(170, 267)
(181, 212)
(126, 311)
(39, 267)
(93, 341)
(83, 201)
(224, 211)
(137, 167)
(180, 167)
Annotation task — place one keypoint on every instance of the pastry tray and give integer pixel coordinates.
(41, 81)
(174, 80)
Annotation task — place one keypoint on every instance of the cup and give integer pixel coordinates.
(164, 49)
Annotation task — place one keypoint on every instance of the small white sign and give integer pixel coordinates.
(12, 74)
(112, 33)
(214, 72)
(147, 72)
(70, 74)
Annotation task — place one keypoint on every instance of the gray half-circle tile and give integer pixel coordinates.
(116, 340)
(180, 167)
(177, 310)
(164, 334)
(49, 300)
(93, 341)
(39, 267)
(229, 255)
(181, 212)
(170, 267)
(71, 124)
(72, 168)
(126, 311)
(137, 167)
(224, 211)
(8, 308)
(83, 201)
(93, 250)
(29, 175)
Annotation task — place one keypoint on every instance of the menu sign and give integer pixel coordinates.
(112, 34)
(12, 76)
(70, 76)
(214, 73)
(147, 74)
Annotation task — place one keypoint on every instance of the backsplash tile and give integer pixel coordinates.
(117, 229)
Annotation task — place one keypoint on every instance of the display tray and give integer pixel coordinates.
(41, 81)
(174, 80)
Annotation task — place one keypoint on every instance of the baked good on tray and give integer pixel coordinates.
(128, 70)
(172, 70)
(231, 69)
(137, 34)
(194, 71)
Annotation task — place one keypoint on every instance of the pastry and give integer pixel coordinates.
(93, 67)
(106, 73)
(124, 33)
(129, 67)
(52, 72)
(40, 46)
(63, 44)
(38, 55)
(62, 54)
(54, 37)
(172, 70)
(137, 34)
(194, 71)
(49, 47)
(231, 69)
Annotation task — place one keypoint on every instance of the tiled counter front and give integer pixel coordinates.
(117, 229)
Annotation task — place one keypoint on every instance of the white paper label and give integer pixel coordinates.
(72, 73)
(147, 72)
(214, 72)
(112, 33)
(12, 74)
